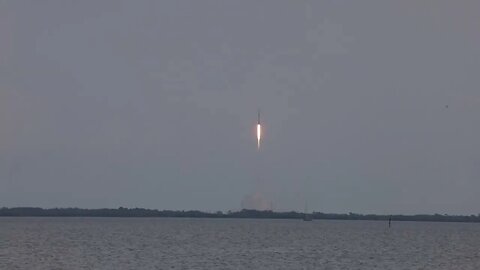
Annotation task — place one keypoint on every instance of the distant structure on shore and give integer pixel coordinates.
(306, 215)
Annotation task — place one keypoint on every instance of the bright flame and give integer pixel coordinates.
(259, 135)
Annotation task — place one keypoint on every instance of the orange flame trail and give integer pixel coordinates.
(259, 135)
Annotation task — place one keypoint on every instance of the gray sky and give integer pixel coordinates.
(153, 104)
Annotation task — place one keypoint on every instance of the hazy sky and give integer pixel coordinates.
(154, 104)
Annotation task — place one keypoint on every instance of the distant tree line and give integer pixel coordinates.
(141, 212)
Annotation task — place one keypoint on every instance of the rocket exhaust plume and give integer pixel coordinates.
(259, 131)
(259, 135)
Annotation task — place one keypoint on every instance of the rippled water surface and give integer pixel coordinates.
(163, 243)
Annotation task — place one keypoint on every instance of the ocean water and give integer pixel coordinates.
(170, 243)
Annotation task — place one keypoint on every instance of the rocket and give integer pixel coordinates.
(259, 131)
(258, 123)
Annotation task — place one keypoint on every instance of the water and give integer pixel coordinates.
(164, 243)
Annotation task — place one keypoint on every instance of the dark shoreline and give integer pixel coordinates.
(141, 212)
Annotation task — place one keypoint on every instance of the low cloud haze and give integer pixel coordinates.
(367, 107)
